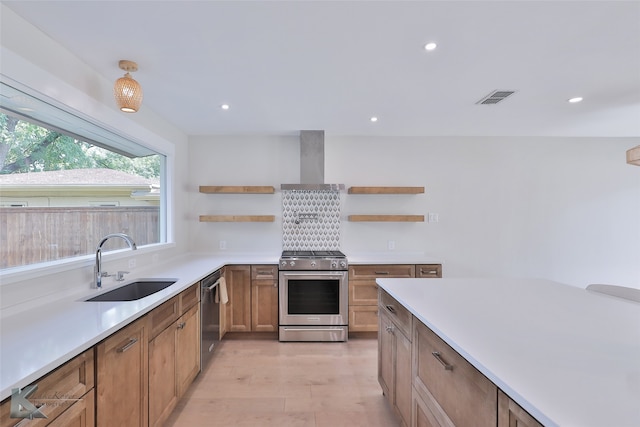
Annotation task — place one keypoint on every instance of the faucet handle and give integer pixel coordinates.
(120, 275)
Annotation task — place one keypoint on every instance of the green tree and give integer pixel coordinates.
(28, 147)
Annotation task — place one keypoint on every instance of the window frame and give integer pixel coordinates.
(109, 120)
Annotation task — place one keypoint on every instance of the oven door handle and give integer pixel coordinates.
(340, 274)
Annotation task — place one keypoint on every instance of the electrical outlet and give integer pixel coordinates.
(391, 245)
(433, 217)
(223, 245)
(132, 263)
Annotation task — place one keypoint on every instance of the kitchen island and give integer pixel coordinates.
(568, 356)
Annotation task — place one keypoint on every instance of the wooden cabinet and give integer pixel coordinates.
(394, 355)
(510, 414)
(363, 293)
(238, 278)
(447, 389)
(163, 390)
(73, 383)
(122, 377)
(174, 352)
(253, 298)
(424, 271)
(187, 349)
(264, 298)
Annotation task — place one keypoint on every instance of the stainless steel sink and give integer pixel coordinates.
(136, 290)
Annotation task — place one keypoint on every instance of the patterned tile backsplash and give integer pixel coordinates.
(310, 220)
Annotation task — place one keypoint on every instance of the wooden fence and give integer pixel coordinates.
(40, 234)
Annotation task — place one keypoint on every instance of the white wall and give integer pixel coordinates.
(566, 209)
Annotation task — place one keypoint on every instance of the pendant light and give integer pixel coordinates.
(633, 156)
(127, 91)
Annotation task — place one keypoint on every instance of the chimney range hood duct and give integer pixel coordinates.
(312, 164)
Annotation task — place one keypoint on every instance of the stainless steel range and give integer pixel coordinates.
(313, 296)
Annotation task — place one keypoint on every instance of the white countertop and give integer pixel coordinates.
(568, 356)
(37, 341)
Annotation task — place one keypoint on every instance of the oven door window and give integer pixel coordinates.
(312, 296)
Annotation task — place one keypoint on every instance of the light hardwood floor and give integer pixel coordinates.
(262, 383)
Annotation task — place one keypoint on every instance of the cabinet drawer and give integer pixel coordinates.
(429, 270)
(163, 316)
(264, 272)
(68, 382)
(363, 292)
(400, 315)
(451, 387)
(381, 270)
(189, 297)
(363, 318)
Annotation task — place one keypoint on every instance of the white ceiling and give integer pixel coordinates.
(285, 66)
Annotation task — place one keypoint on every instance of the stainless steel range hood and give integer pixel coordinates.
(312, 164)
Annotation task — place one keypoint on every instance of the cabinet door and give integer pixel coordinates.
(510, 414)
(163, 390)
(452, 388)
(238, 278)
(264, 301)
(402, 377)
(363, 318)
(188, 348)
(80, 414)
(394, 366)
(122, 377)
(385, 355)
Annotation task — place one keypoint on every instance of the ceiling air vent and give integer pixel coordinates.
(495, 97)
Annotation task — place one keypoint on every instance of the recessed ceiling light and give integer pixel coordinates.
(575, 100)
(374, 119)
(225, 106)
(430, 46)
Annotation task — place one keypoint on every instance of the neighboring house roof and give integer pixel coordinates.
(75, 177)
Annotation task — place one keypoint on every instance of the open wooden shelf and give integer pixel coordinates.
(237, 218)
(387, 218)
(237, 189)
(386, 190)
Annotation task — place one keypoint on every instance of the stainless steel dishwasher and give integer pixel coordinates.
(210, 316)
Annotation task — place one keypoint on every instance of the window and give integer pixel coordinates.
(65, 183)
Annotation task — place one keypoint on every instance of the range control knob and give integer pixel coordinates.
(334, 264)
(283, 263)
(313, 264)
(343, 264)
(292, 263)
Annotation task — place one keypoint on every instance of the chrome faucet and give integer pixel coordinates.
(98, 274)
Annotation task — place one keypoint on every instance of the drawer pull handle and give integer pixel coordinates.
(391, 309)
(181, 325)
(265, 272)
(382, 272)
(128, 345)
(428, 272)
(446, 366)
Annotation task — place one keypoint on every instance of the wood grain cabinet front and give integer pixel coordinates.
(253, 298)
(174, 353)
(394, 355)
(65, 396)
(264, 298)
(510, 414)
(363, 292)
(448, 390)
(122, 377)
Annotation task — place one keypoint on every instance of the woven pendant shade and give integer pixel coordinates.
(128, 93)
